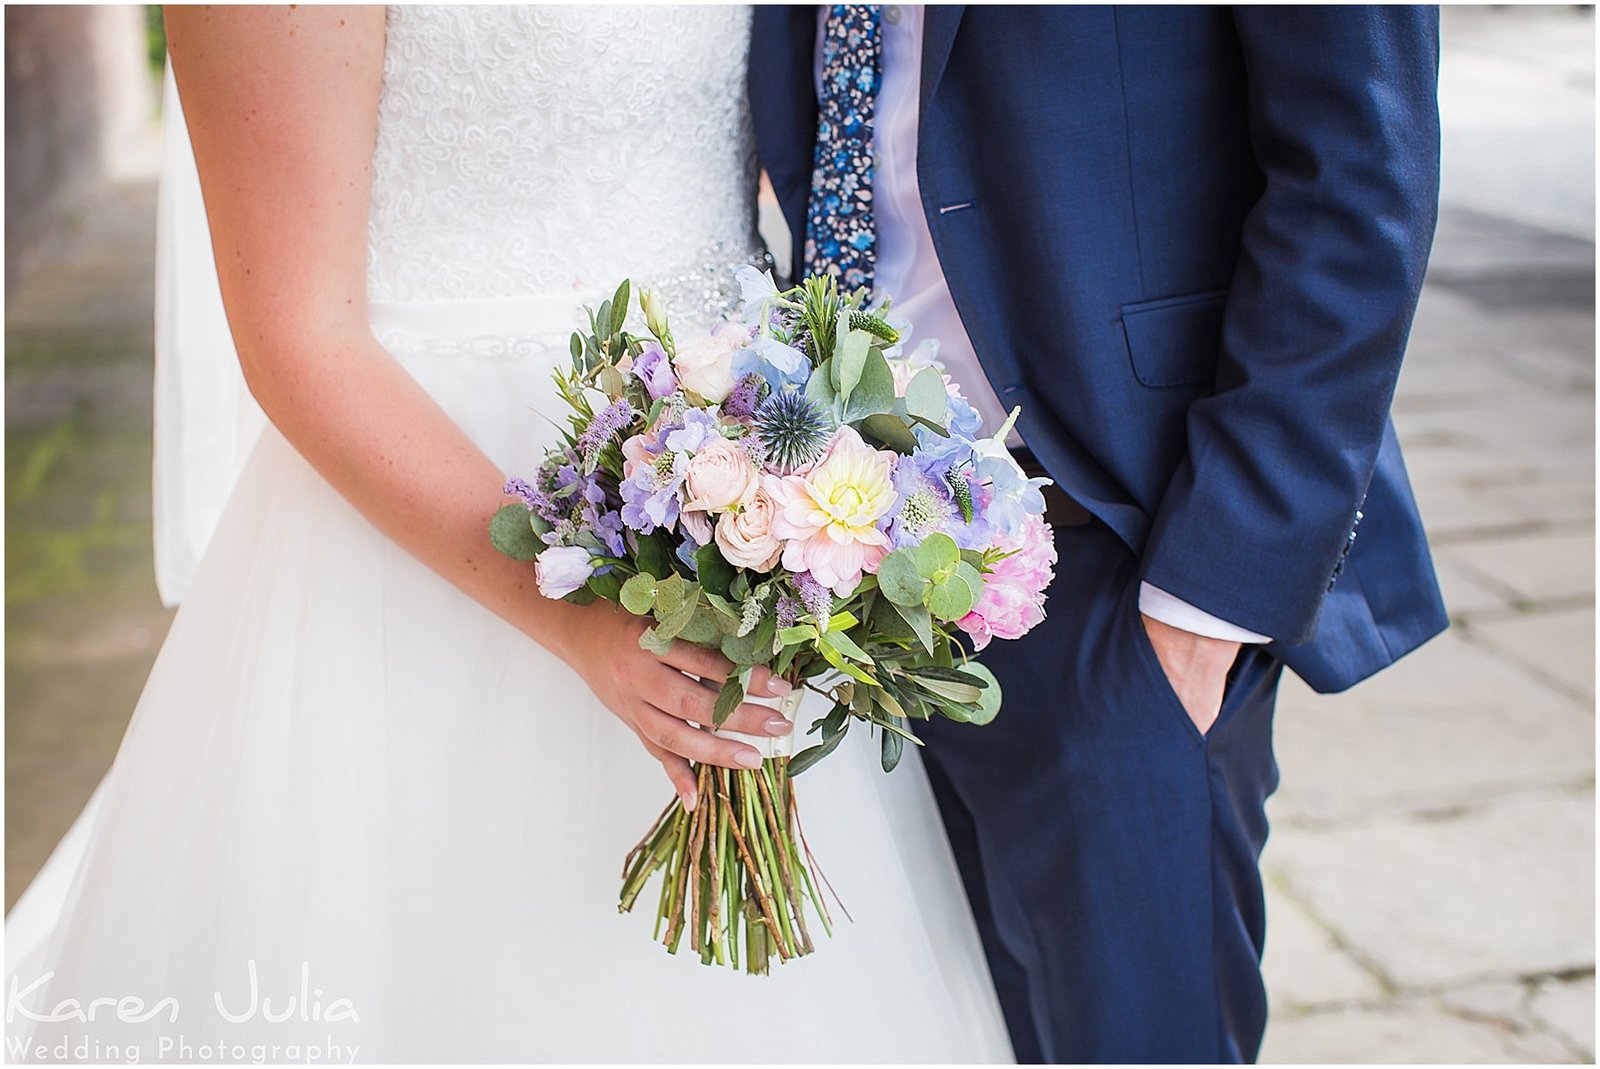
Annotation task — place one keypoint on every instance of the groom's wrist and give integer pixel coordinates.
(1172, 610)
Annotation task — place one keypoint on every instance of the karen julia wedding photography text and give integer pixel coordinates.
(164, 1039)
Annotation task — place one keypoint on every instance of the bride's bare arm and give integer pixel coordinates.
(282, 107)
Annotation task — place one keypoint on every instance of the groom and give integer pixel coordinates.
(1188, 241)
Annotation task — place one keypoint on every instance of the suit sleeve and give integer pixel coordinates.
(1344, 124)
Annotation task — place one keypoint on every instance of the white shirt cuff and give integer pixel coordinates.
(1159, 605)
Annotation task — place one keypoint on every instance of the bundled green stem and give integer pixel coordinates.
(735, 866)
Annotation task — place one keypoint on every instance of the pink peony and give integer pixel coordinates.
(828, 517)
(745, 537)
(1013, 594)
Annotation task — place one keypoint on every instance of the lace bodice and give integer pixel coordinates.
(532, 150)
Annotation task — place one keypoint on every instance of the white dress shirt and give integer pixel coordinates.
(908, 265)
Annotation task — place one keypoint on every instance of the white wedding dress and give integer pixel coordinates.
(348, 785)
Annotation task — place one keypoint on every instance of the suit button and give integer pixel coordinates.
(891, 15)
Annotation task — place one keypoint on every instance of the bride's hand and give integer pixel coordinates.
(656, 697)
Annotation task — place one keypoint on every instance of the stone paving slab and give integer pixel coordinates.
(1506, 890)
(1559, 646)
(1567, 1007)
(1378, 757)
(1405, 1034)
(1304, 967)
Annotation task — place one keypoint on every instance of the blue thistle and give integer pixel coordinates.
(793, 430)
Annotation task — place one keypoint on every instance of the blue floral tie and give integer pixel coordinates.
(840, 236)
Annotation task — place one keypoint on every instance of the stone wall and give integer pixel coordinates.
(78, 87)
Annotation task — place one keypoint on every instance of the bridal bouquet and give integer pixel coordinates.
(797, 491)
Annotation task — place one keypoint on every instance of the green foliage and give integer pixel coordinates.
(638, 594)
(511, 533)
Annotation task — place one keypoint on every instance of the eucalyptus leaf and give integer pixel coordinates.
(850, 360)
(900, 579)
(511, 533)
(890, 430)
(651, 641)
(874, 393)
(702, 628)
(638, 594)
(937, 553)
(926, 396)
(989, 703)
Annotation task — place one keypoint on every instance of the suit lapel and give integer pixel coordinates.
(938, 35)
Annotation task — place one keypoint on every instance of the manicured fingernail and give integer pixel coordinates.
(778, 726)
(779, 686)
(747, 759)
(689, 800)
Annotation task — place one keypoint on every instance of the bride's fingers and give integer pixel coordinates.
(713, 666)
(685, 740)
(678, 773)
(677, 694)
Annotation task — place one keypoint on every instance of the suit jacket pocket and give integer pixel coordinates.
(1173, 341)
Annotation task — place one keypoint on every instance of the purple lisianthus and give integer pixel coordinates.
(560, 570)
(652, 368)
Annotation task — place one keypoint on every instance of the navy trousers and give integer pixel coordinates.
(1108, 847)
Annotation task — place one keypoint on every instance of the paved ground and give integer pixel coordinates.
(1432, 864)
(1432, 861)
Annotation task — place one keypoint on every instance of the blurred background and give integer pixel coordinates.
(1432, 862)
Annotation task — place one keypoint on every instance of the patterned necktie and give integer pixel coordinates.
(840, 236)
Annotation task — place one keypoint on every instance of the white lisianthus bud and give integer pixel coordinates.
(655, 316)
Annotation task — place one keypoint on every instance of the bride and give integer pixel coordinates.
(373, 800)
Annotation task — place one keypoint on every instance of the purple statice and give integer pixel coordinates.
(787, 610)
(745, 398)
(816, 597)
(611, 421)
(654, 370)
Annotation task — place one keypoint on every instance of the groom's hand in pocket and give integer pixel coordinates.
(1196, 667)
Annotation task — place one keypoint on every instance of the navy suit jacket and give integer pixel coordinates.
(1189, 242)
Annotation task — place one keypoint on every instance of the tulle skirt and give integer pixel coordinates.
(356, 816)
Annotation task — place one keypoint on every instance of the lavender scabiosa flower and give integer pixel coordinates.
(611, 421)
(650, 498)
(924, 503)
(699, 428)
(817, 598)
(745, 398)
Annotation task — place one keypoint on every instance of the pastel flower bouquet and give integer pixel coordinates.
(796, 490)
